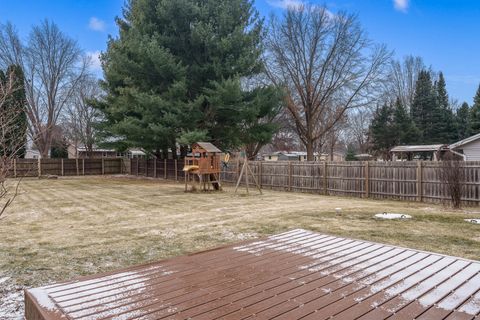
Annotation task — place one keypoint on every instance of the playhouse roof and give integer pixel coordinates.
(208, 146)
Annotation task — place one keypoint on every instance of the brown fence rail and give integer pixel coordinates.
(66, 167)
(412, 180)
(157, 168)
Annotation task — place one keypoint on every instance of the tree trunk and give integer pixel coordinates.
(44, 144)
(310, 150)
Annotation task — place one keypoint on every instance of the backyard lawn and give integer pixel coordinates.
(60, 229)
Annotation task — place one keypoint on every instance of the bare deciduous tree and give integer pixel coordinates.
(326, 65)
(332, 138)
(452, 175)
(402, 78)
(285, 139)
(10, 144)
(53, 65)
(356, 129)
(80, 117)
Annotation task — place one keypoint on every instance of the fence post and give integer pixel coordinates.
(103, 166)
(237, 169)
(83, 166)
(165, 168)
(367, 178)
(76, 166)
(325, 192)
(260, 167)
(176, 170)
(15, 167)
(155, 167)
(39, 167)
(289, 176)
(137, 166)
(419, 180)
(63, 171)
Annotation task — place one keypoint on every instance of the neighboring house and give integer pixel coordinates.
(31, 151)
(467, 149)
(82, 153)
(337, 156)
(364, 157)
(281, 156)
(32, 154)
(300, 156)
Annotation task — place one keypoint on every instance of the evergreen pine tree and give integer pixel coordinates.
(406, 131)
(443, 130)
(174, 74)
(15, 107)
(382, 130)
(475, 113)
(350, 155)
(462, 122)
(424, 107)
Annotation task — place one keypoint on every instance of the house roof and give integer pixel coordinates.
(208, 146)
(464, 141)
(295, 275)
(136, 152)
(417, 148)
(291, 153)
(84, 149)
(95, 149)
(363, 155)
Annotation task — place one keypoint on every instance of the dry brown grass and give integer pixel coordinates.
(59, 229)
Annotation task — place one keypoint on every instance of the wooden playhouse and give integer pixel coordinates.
(203, 164)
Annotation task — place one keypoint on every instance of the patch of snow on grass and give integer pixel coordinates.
(2, 280)
(11, 303)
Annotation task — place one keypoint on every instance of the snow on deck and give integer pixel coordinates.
(293, 275)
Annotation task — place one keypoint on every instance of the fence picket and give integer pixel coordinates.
(406, 180)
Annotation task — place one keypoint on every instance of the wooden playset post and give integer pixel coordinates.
(247, 171)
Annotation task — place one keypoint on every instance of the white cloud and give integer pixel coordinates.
(285, 4)
(296, 4)
(401, 5)
(95, 63)
(96, 24)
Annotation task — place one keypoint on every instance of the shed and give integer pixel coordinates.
(294, 275)
(422, 152)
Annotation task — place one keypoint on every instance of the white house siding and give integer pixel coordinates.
(471, 150)
(270, 157)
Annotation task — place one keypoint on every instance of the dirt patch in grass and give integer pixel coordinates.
(60, 229)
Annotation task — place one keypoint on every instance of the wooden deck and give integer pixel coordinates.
(294, 275)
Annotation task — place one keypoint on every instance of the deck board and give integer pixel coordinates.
(294, 275)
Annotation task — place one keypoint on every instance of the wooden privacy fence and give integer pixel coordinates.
(412, 180)
(66, 167)
(158, 168)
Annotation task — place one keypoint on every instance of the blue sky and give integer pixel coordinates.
(446, 33)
